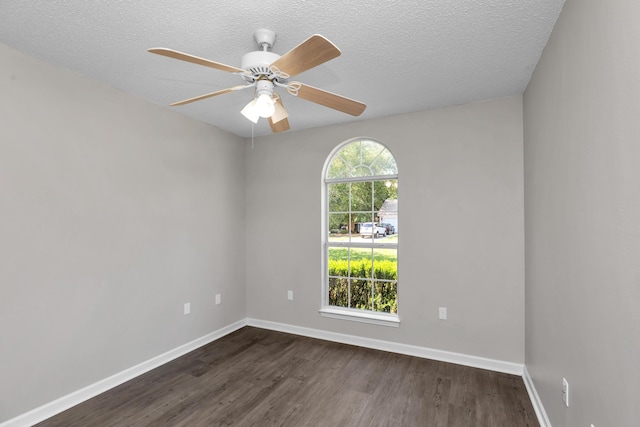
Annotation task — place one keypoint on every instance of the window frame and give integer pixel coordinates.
(346, 313)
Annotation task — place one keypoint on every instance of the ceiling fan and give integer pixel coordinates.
(265, 71)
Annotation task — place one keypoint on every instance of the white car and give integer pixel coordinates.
(372, 229)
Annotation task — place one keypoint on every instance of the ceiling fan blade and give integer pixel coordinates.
(281, 126)
(308, 54)
(278, 121)
(195, 59)
(209, 95)
(328, 99)
(280, 113)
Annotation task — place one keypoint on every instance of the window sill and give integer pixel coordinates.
(355, 316)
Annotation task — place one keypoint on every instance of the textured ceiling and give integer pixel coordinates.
(398, 56)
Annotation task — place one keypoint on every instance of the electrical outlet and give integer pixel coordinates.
(290, 295)
(565, 392)
(442, 313)
(218, 299)
(187, 308)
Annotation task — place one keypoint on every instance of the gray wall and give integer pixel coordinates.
(114, 214)
(461, 215)
(582, 210)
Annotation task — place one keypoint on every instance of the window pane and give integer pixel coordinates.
(339, 292)
(385, 297)
(354, 227)
(370, 152)
(339, 227)
(361, 294)
(362, 158)
(338, 169)
(358, 219)
(385, 264)
(361, 196)
(360, 263)
(350, 154)
(338, 265)
(337, 222)
(388, 211)
(382, 193)
(385, 164)
(338, 197)
(338, 262)
(385, 273)
(390, 188)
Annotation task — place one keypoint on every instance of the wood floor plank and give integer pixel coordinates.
(257, 377)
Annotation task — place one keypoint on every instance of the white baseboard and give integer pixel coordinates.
(62, 404)
(543, 419)
(410, 350)
(55, 407)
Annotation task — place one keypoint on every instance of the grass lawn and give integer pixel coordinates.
(358, 254)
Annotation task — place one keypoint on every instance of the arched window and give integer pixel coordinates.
(360, 229)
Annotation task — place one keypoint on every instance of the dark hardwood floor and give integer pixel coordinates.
(257, 377)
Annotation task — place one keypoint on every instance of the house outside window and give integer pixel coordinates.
(360, 233)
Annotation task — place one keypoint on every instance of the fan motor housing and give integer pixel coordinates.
(258, 62)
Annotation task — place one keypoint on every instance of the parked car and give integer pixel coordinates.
(372, 229)
(390, 228)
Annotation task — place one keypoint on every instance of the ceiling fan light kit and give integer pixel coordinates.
(264, 98)
(265, 70)
(251, 112)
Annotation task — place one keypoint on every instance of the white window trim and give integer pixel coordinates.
(355, 315)
(344, 313)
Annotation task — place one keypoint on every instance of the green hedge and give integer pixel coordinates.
(385, 293)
